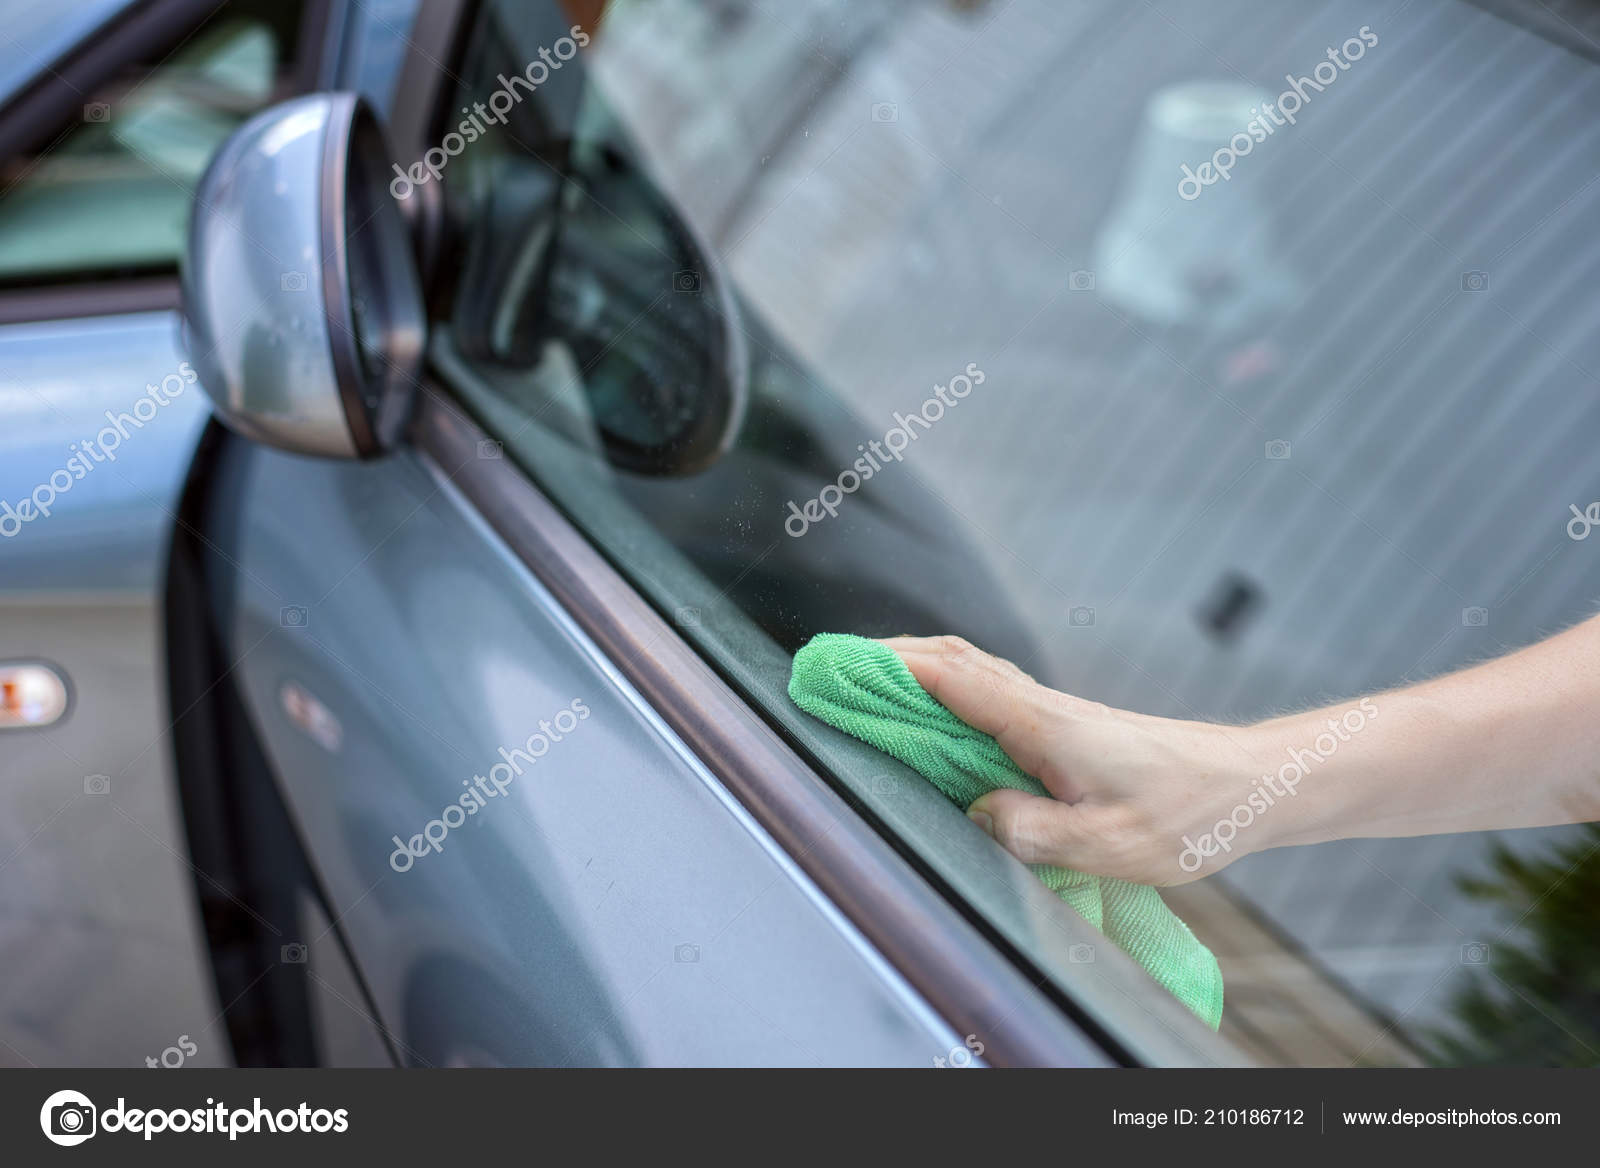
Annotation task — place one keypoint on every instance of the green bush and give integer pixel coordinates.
(1537, 1002)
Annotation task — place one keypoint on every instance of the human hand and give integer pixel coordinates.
(1128, 787)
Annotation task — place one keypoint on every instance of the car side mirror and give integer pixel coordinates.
(303, 311)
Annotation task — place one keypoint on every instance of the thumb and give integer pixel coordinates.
(1033, 828)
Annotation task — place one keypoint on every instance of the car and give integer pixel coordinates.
(247, 940)
(400, 676)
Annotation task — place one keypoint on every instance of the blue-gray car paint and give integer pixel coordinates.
(614, 905)
(104, 958)
(619, 908)
(99, 938)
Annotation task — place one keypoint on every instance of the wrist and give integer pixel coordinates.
(1240, 806)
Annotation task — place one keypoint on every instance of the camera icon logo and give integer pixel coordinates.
(1475, 953)
(293, 953)
(1081, 617)
(686, 954)
(292, 282)
(67, 1118)
(686, 280)
(687, 616)
(97, 111)
(1474, 281)
(1278, 449)
(885, 111)
(1081, 281)
(97, 784)
(293, 617)
(489, 448)
(1475, 618)
(1080, 954)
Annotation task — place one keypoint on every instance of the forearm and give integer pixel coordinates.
(1514, 742)
(1510, 743)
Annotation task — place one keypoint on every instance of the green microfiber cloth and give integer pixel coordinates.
(863, 688)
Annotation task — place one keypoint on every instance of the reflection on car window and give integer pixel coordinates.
(112, 192)
(1254, 429)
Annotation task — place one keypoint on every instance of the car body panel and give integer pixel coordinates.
(102, 951)
(99, 937)
(614, 905)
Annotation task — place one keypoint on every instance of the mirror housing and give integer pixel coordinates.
(303, 312)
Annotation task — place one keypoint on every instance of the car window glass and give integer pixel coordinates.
(1220, 444)
(110, 194)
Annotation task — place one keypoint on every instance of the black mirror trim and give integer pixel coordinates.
(335, 269)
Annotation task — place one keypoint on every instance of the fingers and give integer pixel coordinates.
(1034, 829)
(987, 693)
(956, 647)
